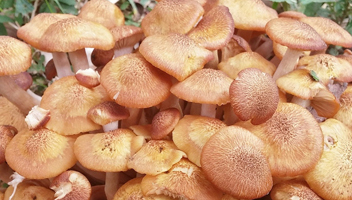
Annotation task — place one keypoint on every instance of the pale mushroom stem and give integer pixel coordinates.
(123, 51)
(264, 49)
(35, 97)
(305, 103)
(275, 60)
(113, 181)
(62, 65)
(10, 90)
(5, 172)
(171, 102)
(135, 115)
(79, 60)
(230, 117)
(111, 126)
(208, 110)
(288, 63)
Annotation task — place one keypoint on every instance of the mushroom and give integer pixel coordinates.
(88, 77)
(235, 46)
(28, 191)
(164, 122)
(293, 189)
(7, 132)
(344, 113)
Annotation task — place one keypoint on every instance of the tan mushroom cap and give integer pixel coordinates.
(132, 190)
(328, 67)
(106, 112)
(23, 79)
(32, 32)
(16, 56)
(106, 152)
(330, 31)
(28, 191)
(254, 13)
(102, 12)
(345, 112)
(133, 82)
(71, 34)
(192, 132)
(164, 122)
(11, 115)
(155, 157)
(292, 14)
(126, 35)
(183, 181)
(215, 29)
(71, 185)
(330, 178)
(232, 159)
(254, 96)
(294, 34)
(170, 16)
(7, 132)
(235, 46)
(293, 189)
(246, 60)
(88, 77)
(40, 154)
(208, 86)
(301, 83)
(293, 141)
(68, 103)
(175, 54)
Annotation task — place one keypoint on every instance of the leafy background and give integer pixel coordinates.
(15, 13)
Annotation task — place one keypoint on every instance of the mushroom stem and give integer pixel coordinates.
(123, 51)
(299, 101)
(5, 172)
(208, 110)
(111, 126)
(35, 97)
(264, 49)
(245, 34)
(10, 90)
(113, 181)
(62, 65)
(287, 63)
(79, 60)
(135, 115)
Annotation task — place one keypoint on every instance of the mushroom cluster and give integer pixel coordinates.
(207, 100)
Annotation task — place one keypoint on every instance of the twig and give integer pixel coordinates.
(35, 5)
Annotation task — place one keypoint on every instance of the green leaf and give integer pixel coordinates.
(312, 9)
(4, 19)
(69, 9)
(47, 7)
(316, 1)
(124, 5)
(68, 2)
(314, 75)
(5, 4)
(3, 30)
(286, 1)
(23, 7)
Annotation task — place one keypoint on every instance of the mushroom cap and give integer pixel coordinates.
(71, 185)
(164, 122)
(107, 112)
(292, 14)
(169, 16)
(11, 115)
(293, 189)
(175, 54)
(244, 60)
(232, 159)
(344, 114)
(126, 36)
(106, 152)
(16, 56)
(207, 86)
(293, 141)
(254, 96)
(32, 32)
(215, 29)
(68, 103)
(155, 157)
(29, 191)
(133, 82)
(88, 77)
(102, 12)
(192, 132)
(7, 132)
(294, 34)
(40, 154)
(71, 34)
(100, 58)
(330, 31)
(23, 79)
(330, 178)
(254, 13)
(184, 180)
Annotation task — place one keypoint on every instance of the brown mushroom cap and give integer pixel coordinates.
(254, 96)
(330, 31)
(330, 178)
(183, 181)
(7, 132)
(293, 141)
(106, 112)
(107, 152)
(133, 82)
(293, 189)
(207, 86)
(170, 16)
(126, 36)
(11, 115)
(215, 29)
(88, 77)
(235, 46)
(23, 79)
(68, 103)
(40, 154)
(175, 54)
(102, 12)
(164, 122)
(292, 14)
(294, 34)
(71, 185)
(344, 114)
(29, 191)
(232, 159)
(192, 132)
